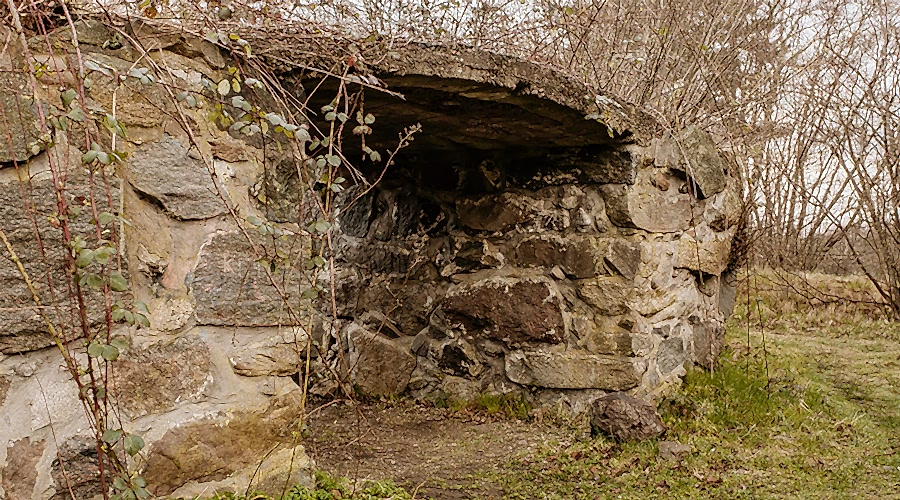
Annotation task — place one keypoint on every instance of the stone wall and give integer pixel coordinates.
(529, 241)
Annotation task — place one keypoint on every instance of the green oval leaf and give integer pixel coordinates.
(84, 259)
(133, 444)
(118, 282)
(110, 436)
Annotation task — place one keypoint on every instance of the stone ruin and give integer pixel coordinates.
(534, 238)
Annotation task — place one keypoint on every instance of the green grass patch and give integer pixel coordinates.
(793, 435)
(330, 488)
(511, 406)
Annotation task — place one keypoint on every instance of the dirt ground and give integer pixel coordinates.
(432, 452)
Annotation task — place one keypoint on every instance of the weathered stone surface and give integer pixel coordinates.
(571, 370)
(379, 367)
(646, 207)
(459, 389)
(609, 294)
(624, 257)
(76, 467)
(148, 380)
(708, 338)
(626, 418)
(508, 309)
(5, 383)
(269, 474)
(673, 450)
(214, 448)
(22, 329)
(556, 102)
(727, 293)
(577, 257)
(492, 213)
(174, 177)
(694, 153)
(137, 105)
(230, 288)
(671, 355)
(19, 475)
(605, 338)
(20, 115)
(703, 250)
(271, 352)
(459, 358)
(405, 305)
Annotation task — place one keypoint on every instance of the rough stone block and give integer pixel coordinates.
(644, 206)
(154, 379)
(76, 468)
(624, 417)
(610, 295)
(379, 366)
(175, 178)
(20, 115)
(704, 250)
(20, 474)
(671, 355)
(694, 153)
(508, 309)
(504, 211)
(22, 328)
(624, 257)
(708, 339)
(231, 288)
(577, 257)
(459, 358)
(277, 352)
(212, 449)
(572, 370)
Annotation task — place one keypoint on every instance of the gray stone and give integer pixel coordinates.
(571, 370)
(508, 309)
(379, 367)
(643, 206)
(22, 328)
(694, 153)
(230, 288)
(708, 339)
(673, 450)
(154, 379)
(727, 293)
(610, 295)
(20, 115)
(626, 418)
(421, 343)
(167, 173)
(277, 352)
(671, 355)
(459, 389)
